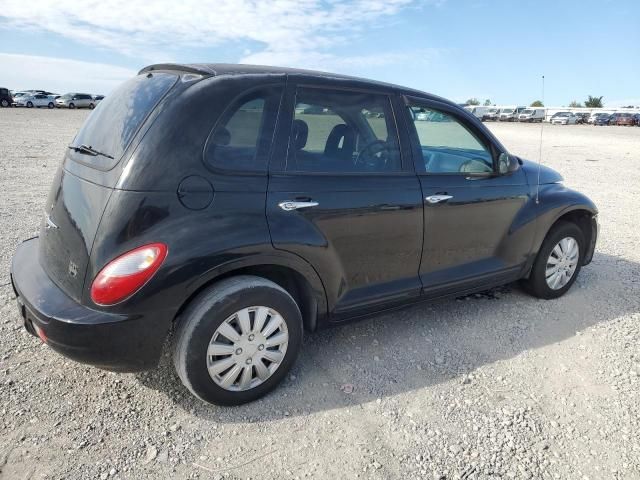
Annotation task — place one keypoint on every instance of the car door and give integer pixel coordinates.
(341, 197)
(472, 212)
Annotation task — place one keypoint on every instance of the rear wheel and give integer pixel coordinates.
(4, 103)
(29, 105)
(92, 106)
(50, 105)
(558, 262)
(237, 340)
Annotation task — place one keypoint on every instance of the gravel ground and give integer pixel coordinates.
(498, 385)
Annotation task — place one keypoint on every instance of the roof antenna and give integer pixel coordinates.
(540, 152)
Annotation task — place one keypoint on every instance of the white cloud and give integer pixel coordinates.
(59, 75)
(286, 32)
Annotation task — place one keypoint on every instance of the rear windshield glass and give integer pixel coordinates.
(116, 119)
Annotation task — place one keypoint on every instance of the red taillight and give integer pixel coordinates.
(125, 275)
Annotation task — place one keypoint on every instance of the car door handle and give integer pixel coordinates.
(289, 205)
(438, 198)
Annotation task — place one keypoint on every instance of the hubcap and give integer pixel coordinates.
(247, 348)
(562, 263)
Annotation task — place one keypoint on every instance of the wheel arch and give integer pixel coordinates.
(293, 274)
(582, 214)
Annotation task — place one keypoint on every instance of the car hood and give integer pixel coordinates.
(547, 175)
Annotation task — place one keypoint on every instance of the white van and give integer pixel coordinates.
(532, 115)
(510, 114)
(477, 111)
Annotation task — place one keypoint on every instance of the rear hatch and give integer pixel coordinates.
(85, 180)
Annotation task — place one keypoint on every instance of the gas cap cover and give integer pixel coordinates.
(195, 192)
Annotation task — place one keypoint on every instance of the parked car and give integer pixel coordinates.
(310, 229)
(6, 100)
(35, 100)
(582, 117)
(75, 100)
(601, 119)
(97, 99)
(16, 96)
(532, 115)
(636, 118)
(621, 118)
(563, 118)
(491, 115)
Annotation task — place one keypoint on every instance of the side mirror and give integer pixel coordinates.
(507, 164)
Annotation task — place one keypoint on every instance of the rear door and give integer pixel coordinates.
(470, 212)
(341, 197)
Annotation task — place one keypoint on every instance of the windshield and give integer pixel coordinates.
(563, 114)
(116, 119)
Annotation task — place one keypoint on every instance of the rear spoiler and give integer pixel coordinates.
(188, 68)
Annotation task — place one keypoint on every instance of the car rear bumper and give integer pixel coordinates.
(112, 341)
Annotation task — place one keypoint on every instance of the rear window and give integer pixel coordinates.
(113, 124)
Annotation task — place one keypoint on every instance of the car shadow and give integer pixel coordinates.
(424, 345)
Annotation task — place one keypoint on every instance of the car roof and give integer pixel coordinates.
(219, 69)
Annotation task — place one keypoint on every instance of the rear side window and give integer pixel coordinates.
(342, 131)
(241, 139)
(112, 125)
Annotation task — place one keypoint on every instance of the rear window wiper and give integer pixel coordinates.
(87, 149)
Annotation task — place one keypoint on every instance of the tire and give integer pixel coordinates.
(537, 284)
(4, 103)
(92, 106)
(29, 105)
(199, 325)
(72, 106)
(50, 105)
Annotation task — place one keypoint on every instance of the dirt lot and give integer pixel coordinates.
(492, 386)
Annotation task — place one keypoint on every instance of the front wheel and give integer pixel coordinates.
(4, 103)
(237, 340)
(72, 106)
(29, 105)
(50, 105)
(558, 262)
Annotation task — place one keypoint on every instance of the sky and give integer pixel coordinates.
(458, 49)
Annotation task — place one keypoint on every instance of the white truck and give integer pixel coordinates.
(477, 111)
(510, 114)
(532, 115)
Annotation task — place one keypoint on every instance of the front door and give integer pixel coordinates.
(471, 210)
(344, 201)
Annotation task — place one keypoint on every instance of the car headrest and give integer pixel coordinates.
(299, 134)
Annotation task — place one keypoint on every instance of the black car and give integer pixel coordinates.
(582, 117)
(240, 206)
(601, 119)
(6, 100)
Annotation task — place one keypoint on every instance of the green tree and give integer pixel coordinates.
(537, 103)
(473, 101)
(575, 104)
(487, 102)
(593, 102)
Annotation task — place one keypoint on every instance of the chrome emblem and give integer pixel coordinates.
(73, 269)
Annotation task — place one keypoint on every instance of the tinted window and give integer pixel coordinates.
(338, 131)
(242, 137)
(447, 146)
(114, 122)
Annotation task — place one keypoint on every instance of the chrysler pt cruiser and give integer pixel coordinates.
(240, 206)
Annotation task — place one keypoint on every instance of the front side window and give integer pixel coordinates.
(242, 137)
(447, 146)
(342, 131)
